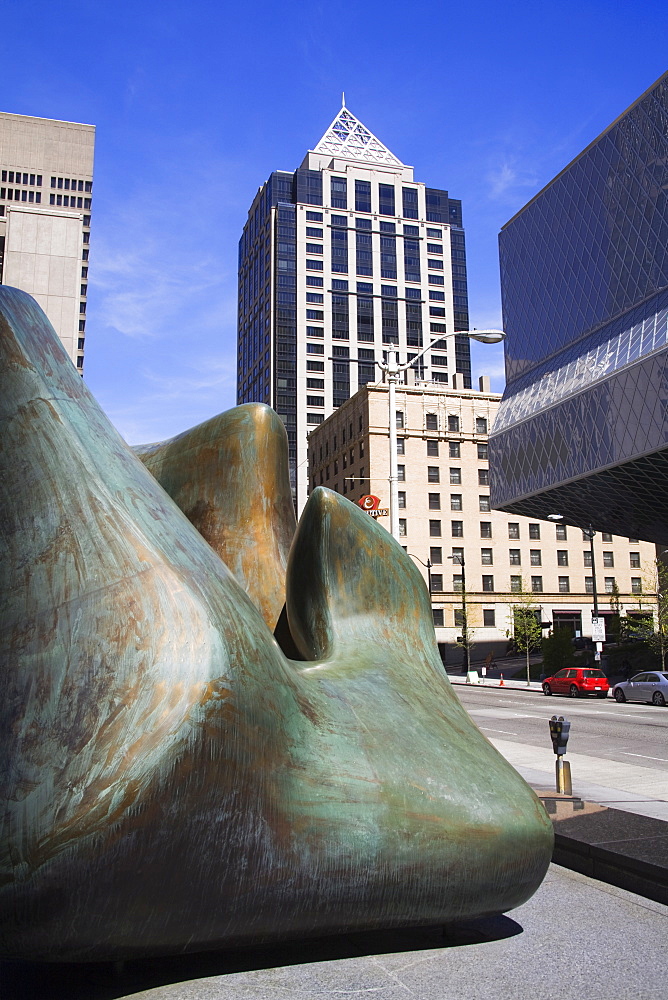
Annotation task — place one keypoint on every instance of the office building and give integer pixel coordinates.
(338, 259)
(46, 185)
(583, 426)
(445, 510)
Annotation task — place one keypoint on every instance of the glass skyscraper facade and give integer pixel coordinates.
(583, 426)
(340, 259)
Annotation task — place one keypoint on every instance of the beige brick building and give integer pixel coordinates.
(445, 511)
(46, 184)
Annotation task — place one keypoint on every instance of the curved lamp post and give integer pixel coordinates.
(589, 533)
(465, 631)
(393, 370)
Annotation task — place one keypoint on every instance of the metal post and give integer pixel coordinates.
(589, 532)
(392, 376)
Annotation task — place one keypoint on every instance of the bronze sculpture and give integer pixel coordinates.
(173, 780)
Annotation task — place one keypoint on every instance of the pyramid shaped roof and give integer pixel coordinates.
(349, 139)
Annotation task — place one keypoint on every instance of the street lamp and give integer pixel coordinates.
(589, 533)
(428, 564)
(393, 370)
(458, 558)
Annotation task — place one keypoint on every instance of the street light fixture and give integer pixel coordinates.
(589, 533)
(428, 564)
(458, 558)
(393, 369)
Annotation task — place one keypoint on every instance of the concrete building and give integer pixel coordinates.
(337, 259)
(46, 184)
(583, 426)
(446, 510)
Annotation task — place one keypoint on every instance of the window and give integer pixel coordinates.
(315, 349)
(434, 501)
(488, 584)
(402, 525)
(315, 314)
(311, 383)
(431, 421)
(535, 557)
(313, 233)
(483, 504)
(401, 446)
(457, 529)
(401, 473)
(456, 501)
(410, 206)
(586, 558)
(455, 477)
(432, 449)
(589, 585)
(514, 557)
(457, 586)
(513, 530)
(561, 532)
(435, 529)
(453, 424)
(314, 216)
(636, 585)
(401, 499)
(315, 401)
(386, 199)
(516, 584)
(314, 297)
(486, 557)
(488, 618)
(339, 192)
(457, 554)
(315, 366)
(564, 585)
(608, 559)
(562, 557)
(436, 555)
(634, 559)
(437, 616)
(454, 449)
(609, 584)
(634, 541)
(437, 583)
(362, 196)
(483, 477)
(606, 536)
(537, 584)
(534, 531)
(485, 529)
(481, 425)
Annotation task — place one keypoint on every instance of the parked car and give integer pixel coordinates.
(651, 686)
(577, 682)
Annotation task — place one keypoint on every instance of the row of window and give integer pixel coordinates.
(365, 226)
(70, 201)
(21, 177)
(70, 185)
(431, 423)
(488, 617)
(14, 194)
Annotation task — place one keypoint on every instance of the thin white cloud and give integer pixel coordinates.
(505, 179)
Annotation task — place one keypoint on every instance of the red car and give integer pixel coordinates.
(577, 682)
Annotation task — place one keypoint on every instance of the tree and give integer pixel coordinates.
(655, 631)
(614, 626)
(526, 629)
(557, 650)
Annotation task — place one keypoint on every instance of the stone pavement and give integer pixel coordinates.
(576, 939)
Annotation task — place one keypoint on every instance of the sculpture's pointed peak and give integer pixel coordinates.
(349, 139)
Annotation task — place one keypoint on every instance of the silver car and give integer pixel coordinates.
(651, 686)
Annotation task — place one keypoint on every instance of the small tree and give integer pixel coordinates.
(526, 630)
(557, 650)
(657, 636)
(614, 624)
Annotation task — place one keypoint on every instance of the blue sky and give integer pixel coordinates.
(195, 104)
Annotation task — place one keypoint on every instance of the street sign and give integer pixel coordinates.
(598, 629)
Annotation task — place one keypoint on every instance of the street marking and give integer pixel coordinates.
(643, 755)
(504, 731)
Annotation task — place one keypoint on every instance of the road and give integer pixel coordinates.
(618, 753)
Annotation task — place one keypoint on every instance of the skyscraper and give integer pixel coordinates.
(583, 426)
(339, 259)
(46, 184)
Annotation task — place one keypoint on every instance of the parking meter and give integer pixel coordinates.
(559, 733)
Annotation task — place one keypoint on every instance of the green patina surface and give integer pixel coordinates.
(174, 779)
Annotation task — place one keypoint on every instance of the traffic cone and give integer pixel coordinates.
(501, 681)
